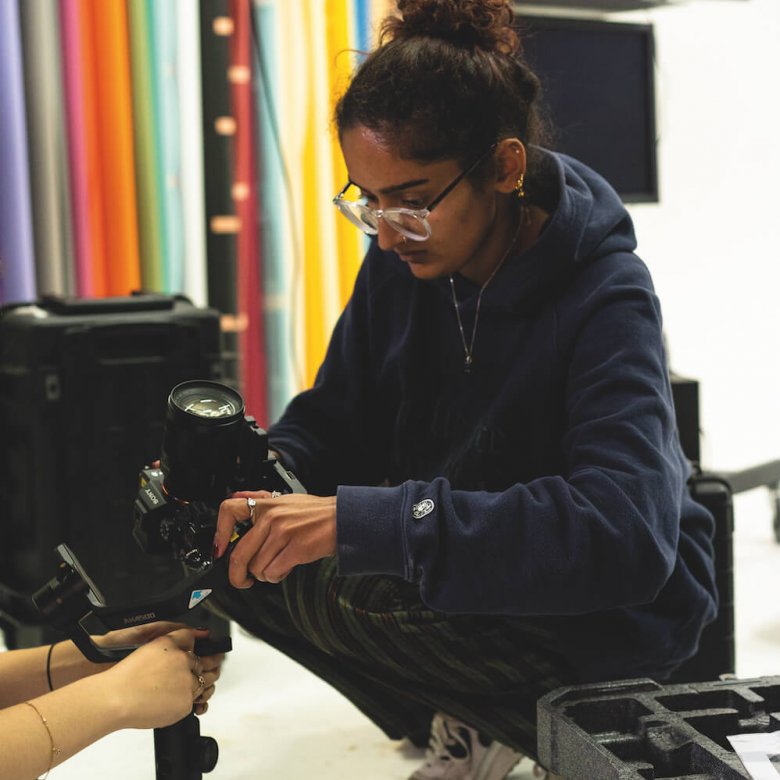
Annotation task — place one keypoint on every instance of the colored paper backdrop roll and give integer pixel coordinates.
(147, 152)
(163, 17)
(110, 63)
(54, 259)
(191, 151)
(17, 262)
(279, 219)
(81, 142)
(249, 258)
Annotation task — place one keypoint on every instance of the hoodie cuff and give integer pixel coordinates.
(368, 530)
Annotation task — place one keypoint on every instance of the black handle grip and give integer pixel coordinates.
(212, 646)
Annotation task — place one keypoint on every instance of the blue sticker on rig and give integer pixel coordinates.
(197, 596)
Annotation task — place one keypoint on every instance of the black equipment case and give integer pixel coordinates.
(640, 729)
(83, 391)
(716, 656)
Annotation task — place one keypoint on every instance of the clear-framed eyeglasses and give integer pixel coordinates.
(412, 223)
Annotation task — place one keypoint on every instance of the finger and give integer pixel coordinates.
(279, 566)
(277, 578)
(252, 494)
(200, 685)
(209, 679)
(151, 631)
(184, 638)
(262, 562)
(240, 575)
(205, 681)
(231, 511)
(196, 663)
(212, 672)
(267, 545)
(206, 694)
(212, 663)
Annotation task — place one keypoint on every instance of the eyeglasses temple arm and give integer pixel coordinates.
(343, 190)
(451, 186)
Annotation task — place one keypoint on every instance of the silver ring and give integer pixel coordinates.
(251, 504)
(275, 494)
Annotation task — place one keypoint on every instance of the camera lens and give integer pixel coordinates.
(202, 428)
(208, 400)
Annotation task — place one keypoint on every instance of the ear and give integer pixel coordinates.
(510, 164)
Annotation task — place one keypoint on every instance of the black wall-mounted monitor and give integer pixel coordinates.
(599, 88)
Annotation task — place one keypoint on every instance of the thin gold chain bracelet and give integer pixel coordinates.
(55, 751)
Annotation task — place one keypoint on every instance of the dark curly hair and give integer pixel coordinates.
(447, 80)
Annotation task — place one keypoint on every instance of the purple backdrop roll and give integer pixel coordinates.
(17, 262)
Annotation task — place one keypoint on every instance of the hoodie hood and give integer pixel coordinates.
(587, 220)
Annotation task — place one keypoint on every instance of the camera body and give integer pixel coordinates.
(210, 450)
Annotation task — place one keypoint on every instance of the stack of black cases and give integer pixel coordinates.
(83, 391)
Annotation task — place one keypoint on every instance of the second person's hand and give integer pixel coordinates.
(159, 683)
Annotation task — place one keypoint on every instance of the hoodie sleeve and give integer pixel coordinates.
(602, 534)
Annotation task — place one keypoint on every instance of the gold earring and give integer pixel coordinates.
(519, 186)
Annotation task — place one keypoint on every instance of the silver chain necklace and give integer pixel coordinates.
(468, 349)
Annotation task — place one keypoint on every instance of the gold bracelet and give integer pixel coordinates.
(55, 751)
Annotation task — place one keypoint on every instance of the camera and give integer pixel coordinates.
(210, 450)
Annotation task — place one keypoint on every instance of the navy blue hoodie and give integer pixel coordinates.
(548, 483)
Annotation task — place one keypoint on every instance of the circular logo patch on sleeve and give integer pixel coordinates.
(422, 508)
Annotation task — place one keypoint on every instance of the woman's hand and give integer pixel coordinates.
(139, 635)
(158, 684)
(287, 530)
(209, 666)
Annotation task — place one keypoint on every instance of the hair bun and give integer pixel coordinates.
(486, 24)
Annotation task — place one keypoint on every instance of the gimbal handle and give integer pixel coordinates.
(181, 753)
(71, 596)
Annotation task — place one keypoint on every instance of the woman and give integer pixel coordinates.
(54, 702)
(498, 497)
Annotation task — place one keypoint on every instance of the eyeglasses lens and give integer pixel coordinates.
(359, 216)
(408, 224)
(367, 220)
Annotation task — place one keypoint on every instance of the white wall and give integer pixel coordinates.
(712, 241)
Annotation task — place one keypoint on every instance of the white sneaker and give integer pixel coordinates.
(458, 752)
